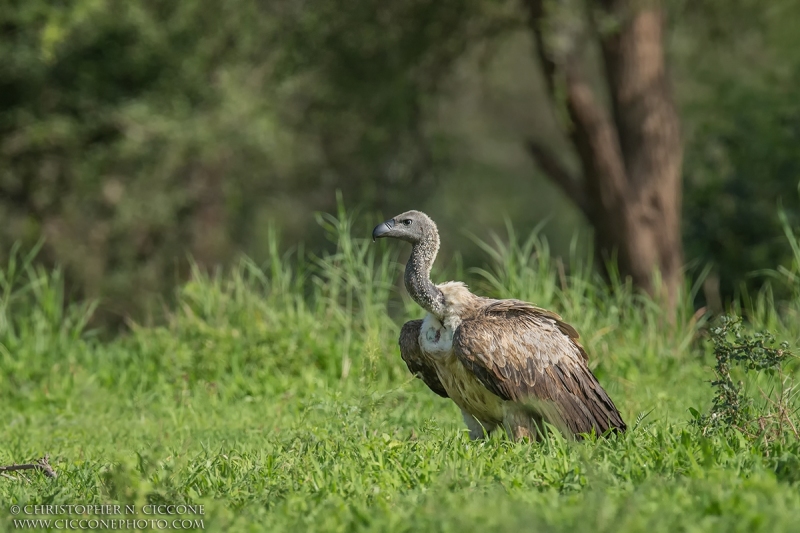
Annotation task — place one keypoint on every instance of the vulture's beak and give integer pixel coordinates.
(382, 229)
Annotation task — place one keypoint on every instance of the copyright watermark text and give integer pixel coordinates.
(108, 517)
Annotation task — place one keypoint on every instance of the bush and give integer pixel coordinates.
(767, 414)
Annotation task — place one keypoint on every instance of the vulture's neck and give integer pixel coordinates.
(418, 276)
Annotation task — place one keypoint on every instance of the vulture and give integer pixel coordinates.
(505, 363)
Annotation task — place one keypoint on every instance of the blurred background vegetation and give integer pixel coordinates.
(137, 135)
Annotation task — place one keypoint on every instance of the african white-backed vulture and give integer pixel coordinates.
(503, 362)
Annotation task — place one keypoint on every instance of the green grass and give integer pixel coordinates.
(276, 398)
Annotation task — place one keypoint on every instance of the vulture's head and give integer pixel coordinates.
(411, 226)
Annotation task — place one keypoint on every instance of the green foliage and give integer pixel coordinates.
(733, 407)
(369, 74)
(241, 402)
(133, 135)
(743, 124)
(124, 140)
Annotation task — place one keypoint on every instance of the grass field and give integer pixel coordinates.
(276, 398)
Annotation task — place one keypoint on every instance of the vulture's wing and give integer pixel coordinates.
(417, 363)
(521, 352)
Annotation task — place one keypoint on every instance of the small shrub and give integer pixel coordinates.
(774, 419)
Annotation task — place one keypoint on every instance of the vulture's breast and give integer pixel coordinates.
(469, 393)
(461, 385)
(435, 338)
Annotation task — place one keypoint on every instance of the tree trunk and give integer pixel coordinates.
(630, 154)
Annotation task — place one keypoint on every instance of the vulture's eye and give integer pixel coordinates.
(407, 222)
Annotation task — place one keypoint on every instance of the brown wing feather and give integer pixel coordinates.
(417, 363)
(521, 352)
(565, 328)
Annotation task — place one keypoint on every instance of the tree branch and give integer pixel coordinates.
(42, 464)
(535, 20)
(643, 108)
(559, 176)
(592, 131)
(595, 137)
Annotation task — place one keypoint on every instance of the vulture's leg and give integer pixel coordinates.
(521, 423)
(477, 430)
